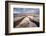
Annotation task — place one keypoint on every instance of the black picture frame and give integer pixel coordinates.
(6, 18)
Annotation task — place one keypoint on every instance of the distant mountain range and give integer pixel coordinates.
(24, 14)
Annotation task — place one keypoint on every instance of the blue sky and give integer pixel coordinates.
(26, 10)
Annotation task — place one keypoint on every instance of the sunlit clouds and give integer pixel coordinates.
(26, 10)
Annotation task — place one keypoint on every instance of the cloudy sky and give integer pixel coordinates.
(26, 10)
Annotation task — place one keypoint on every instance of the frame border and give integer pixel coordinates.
(6, 17)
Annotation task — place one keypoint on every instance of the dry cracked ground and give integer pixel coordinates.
(26, 21)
